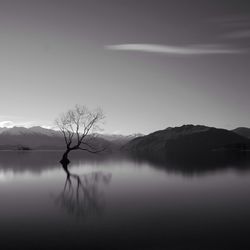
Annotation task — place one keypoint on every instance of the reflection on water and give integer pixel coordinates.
(81, 196)
(174, 203)
(38, 161)
(202, 163)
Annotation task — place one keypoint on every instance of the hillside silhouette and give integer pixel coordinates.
(188, 139)
(242, 131)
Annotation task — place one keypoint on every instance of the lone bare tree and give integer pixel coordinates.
(76, 125)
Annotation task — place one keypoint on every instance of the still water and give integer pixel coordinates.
(115, 202)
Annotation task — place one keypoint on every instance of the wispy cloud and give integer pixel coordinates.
(11, 124)
(204, 49)
(27, 124)
(240, 21)
(6, 124)
(236, 27)
(239, 34)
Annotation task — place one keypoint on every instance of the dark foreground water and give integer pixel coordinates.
(113, 202)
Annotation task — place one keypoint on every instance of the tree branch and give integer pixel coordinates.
(76, 124)
(91, 151)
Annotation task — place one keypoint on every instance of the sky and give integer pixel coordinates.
(148, 64)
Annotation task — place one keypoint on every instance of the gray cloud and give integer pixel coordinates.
(205, 49)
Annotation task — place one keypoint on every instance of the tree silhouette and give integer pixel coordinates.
(76, 126)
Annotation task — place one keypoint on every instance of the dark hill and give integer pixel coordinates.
(242, 131)
(187, 139)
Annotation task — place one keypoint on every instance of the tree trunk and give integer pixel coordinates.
(65, 161)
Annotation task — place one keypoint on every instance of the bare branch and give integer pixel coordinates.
(76, 124)
(88, 145)
(91, 151)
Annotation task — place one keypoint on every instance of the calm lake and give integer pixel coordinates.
(116, 202)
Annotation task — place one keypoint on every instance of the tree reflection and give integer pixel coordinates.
(81, 195)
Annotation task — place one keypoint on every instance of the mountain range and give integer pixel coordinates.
(187, 138)
(42, 138)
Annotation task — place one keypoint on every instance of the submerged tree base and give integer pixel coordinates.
(65, 162)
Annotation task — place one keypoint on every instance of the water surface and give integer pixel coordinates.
(115, 202)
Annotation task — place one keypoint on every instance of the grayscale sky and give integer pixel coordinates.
(148, 64)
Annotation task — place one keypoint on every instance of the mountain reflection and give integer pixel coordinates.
(81, 195)
(196, 164)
